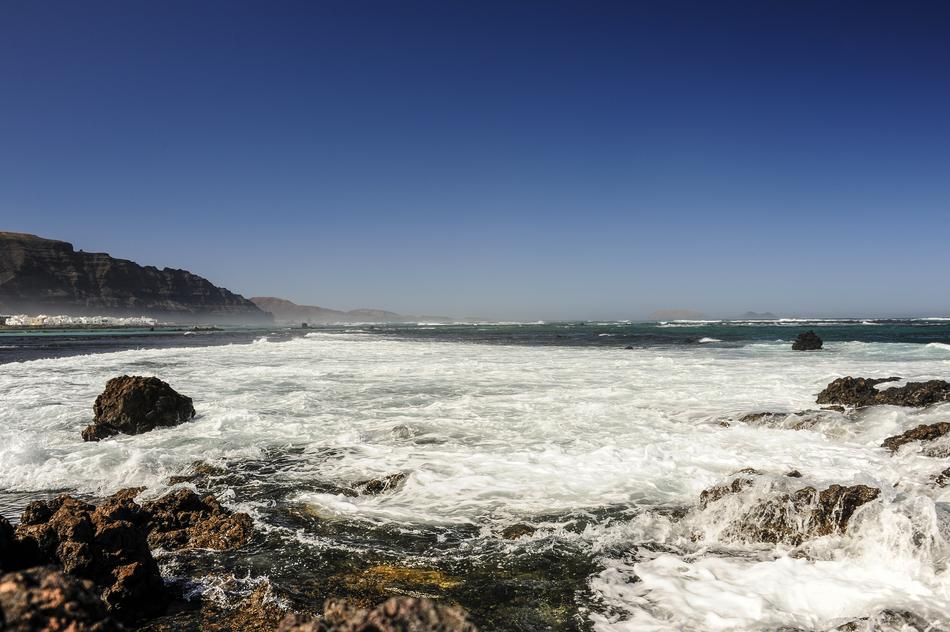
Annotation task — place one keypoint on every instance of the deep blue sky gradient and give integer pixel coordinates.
(511, 159)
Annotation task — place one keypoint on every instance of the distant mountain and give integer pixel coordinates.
(287, 311)
(40, 275)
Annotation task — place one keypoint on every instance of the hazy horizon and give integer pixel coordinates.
(518, 161)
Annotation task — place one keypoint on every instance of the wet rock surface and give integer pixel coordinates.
(134, 404)
(44, 599)
(375, 486)
(790, 517)
(859, 391)
(183, 519)
(110, 544)
(105, 545)
(807, 341)
(923, 432)
(399, 614)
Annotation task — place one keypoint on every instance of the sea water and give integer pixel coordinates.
(603, 450)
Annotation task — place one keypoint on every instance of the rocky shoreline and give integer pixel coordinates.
(71, 564)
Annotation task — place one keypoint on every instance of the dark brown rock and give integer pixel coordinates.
(859, 391)
(376, 486)
(106, 545)
(43, 599)
(16, 554)
(182, 519)
(807, 341)
(516, 531)
(133, 405)
(399, 614)
(923, 432)
(792, 517)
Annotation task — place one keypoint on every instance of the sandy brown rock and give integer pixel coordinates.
(923, 432)
(183, 519)
(105, 545)
(399, 614)
(134, 404)
(859, 391)
(43, 599)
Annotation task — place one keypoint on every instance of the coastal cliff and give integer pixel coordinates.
(40, 275)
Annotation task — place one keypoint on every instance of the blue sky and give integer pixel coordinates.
(511, 159)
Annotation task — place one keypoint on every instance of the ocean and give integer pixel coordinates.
(594, 453)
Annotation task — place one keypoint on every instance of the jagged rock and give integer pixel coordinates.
(399, 614)
(105, 545)
(43, 599)
(515, 531)
(380, 485)
(182, 519)
(923, 432)
(793, 474)
(807, 341)
(134, 404)
(16, 554)
(791, 517)
(859, 391)
(716, 492)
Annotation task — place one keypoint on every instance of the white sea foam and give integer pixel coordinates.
(707, 339)
(493, 434)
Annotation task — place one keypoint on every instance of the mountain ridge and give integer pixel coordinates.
(40, 275)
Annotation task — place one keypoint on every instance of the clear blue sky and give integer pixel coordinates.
(511, 159)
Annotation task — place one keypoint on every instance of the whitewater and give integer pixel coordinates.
(603, 451)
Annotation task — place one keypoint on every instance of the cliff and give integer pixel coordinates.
(287, 311)
(47, 276)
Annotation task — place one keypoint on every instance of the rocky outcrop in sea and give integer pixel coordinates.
(134, 404)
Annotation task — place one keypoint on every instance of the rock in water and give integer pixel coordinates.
(923, 432)
(43, 599)
(399, 614)
(133, 405)
(105, 545)
(182, 519)
(859, 391)
(807, 341)
(789, 517)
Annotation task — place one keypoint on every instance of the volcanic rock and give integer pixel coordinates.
(44, 599)
(859, 391)
(133, 405)
(807, 341)
(399, 614)
(105, 545)
(791, 517)
(375, 486)
(923, 432)
(182, 519)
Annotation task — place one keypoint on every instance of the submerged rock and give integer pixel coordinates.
(516, 531)
(44, 599)
(182, 519)
(375, 486)
(790, 517)
(923, 432)
(399, 614)
(105, 545)
(807, 341)
(134, 404)
(859, 391)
